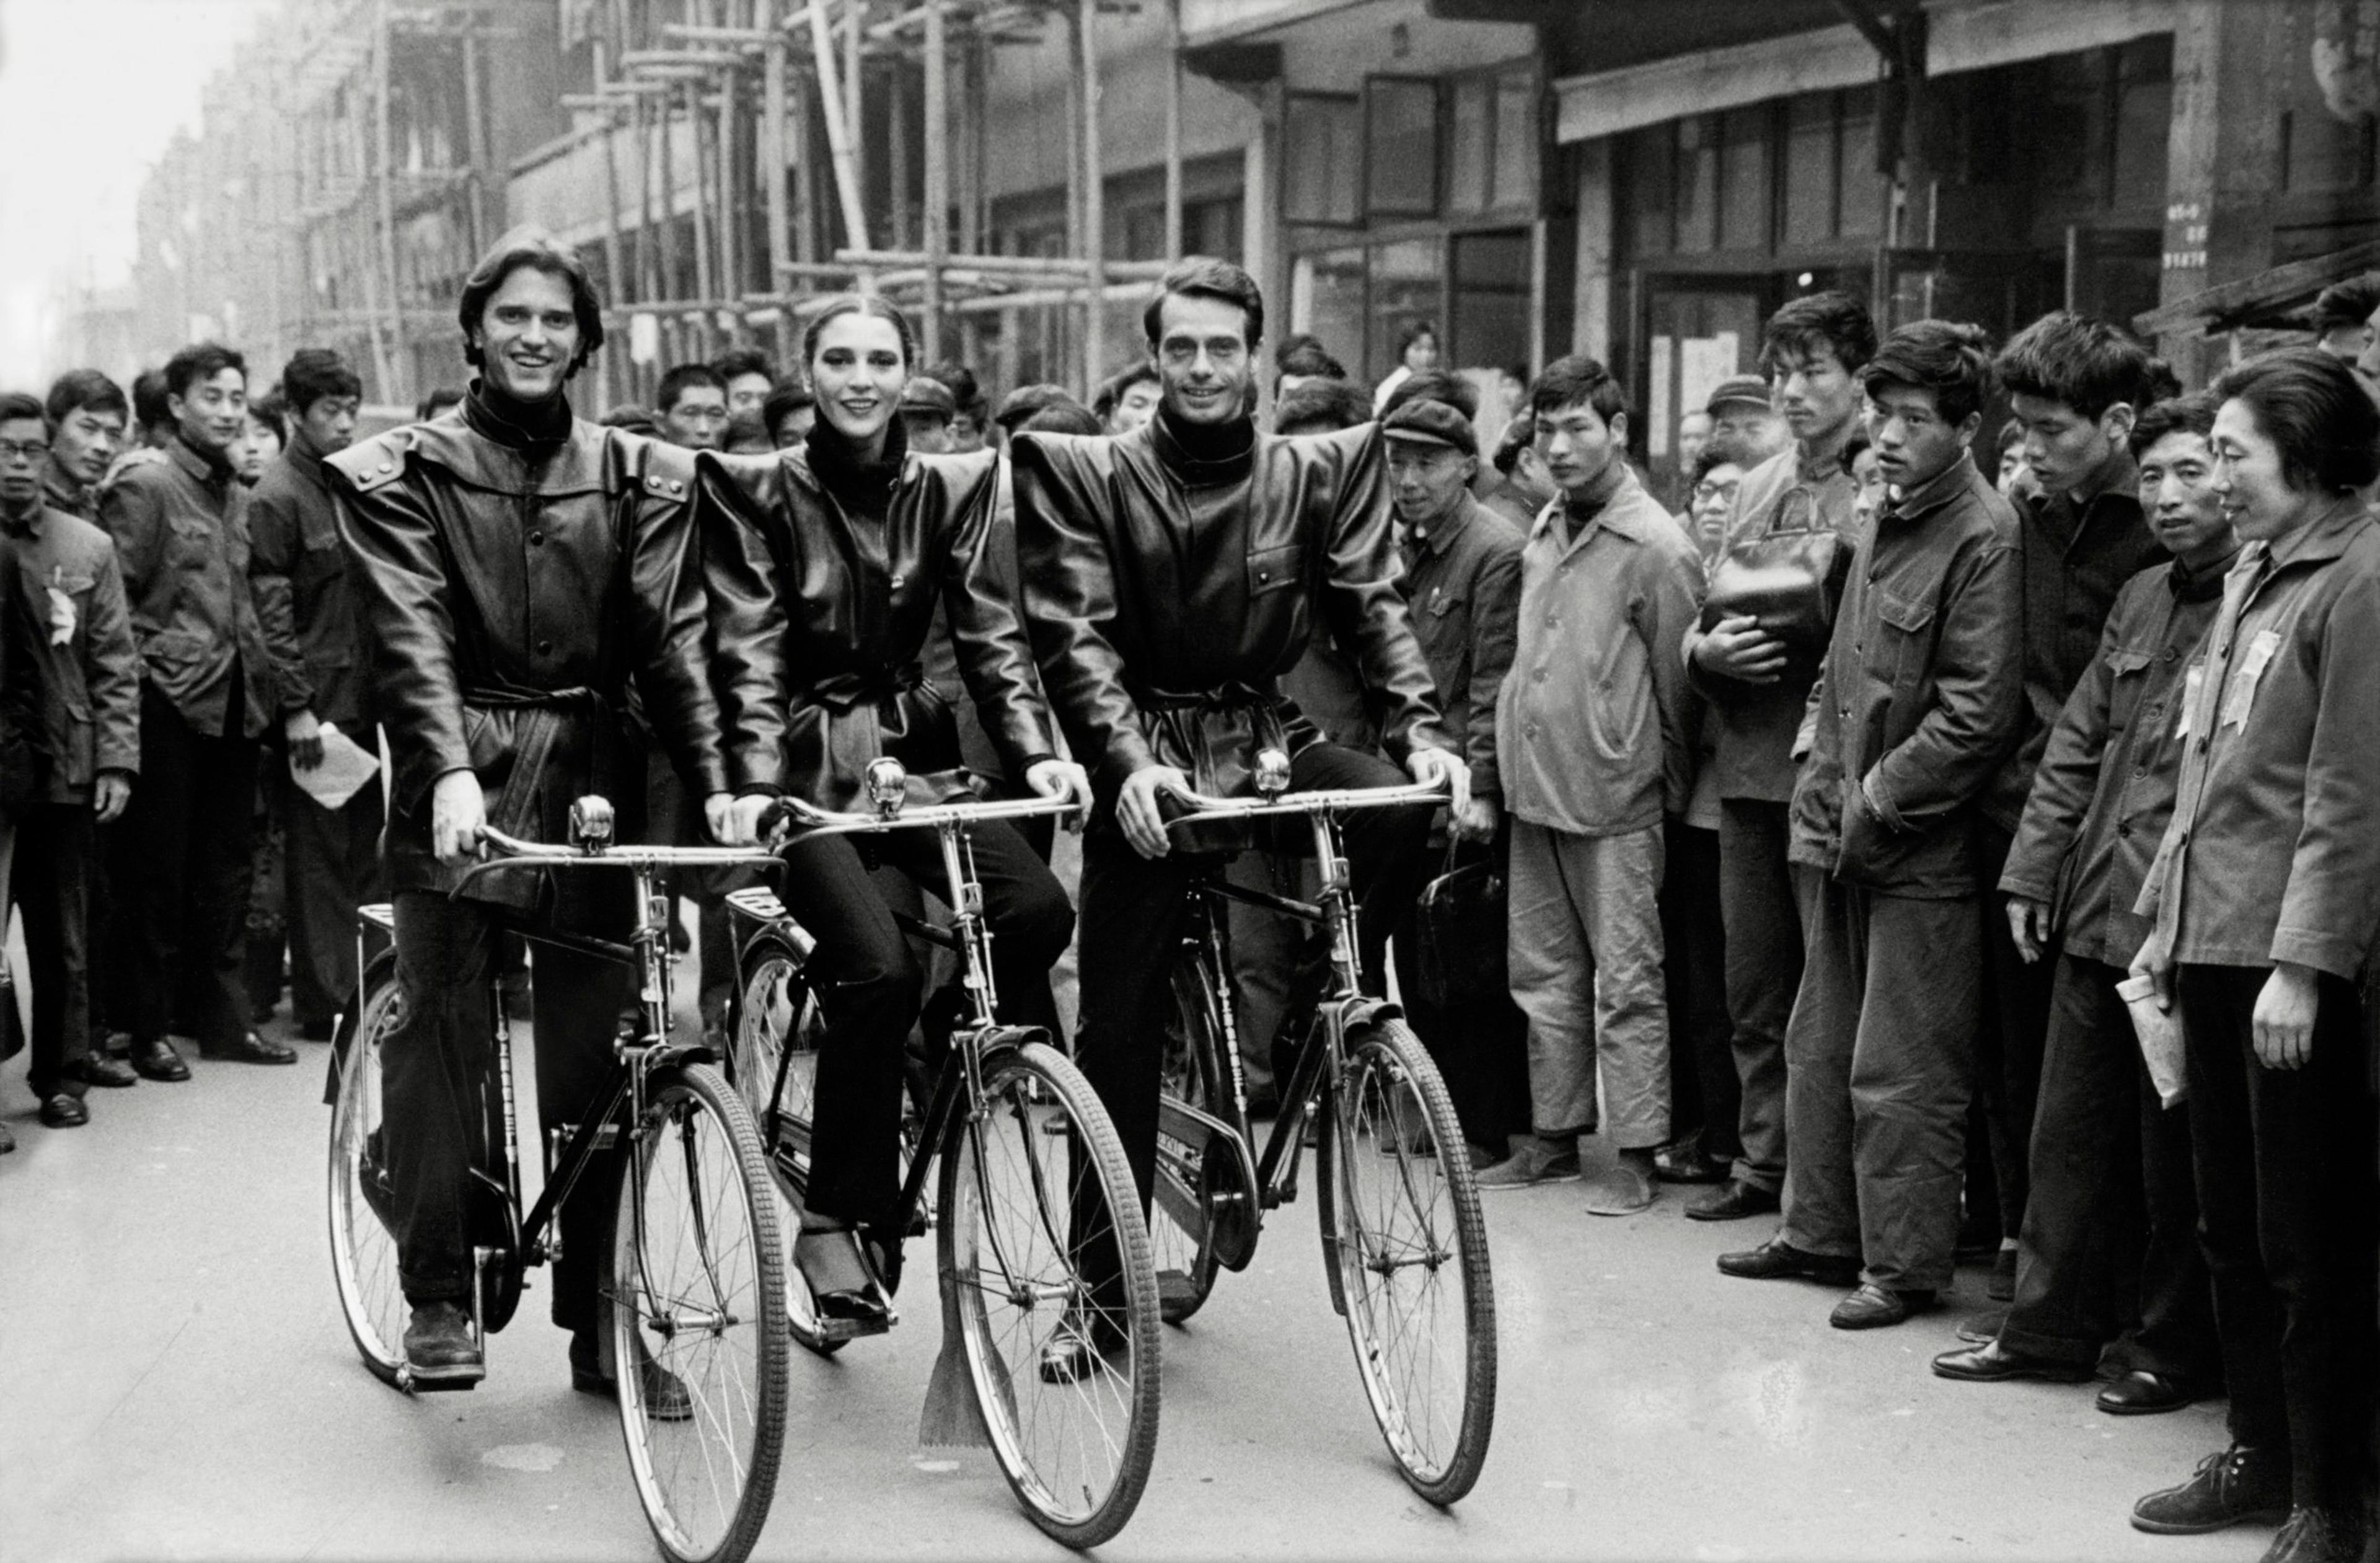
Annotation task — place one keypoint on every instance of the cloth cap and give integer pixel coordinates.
(1738, 388)
(924, 393)
(1432, 423)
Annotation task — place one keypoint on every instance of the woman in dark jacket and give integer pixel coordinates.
(827, 561)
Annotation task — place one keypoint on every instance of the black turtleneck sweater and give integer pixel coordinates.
(862, 488)
(515, 424)
(1203, 454)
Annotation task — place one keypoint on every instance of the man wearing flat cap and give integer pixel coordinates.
(928, 409)
(1742, 408)
(1461, 582)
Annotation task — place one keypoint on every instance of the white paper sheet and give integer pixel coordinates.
(347, 766)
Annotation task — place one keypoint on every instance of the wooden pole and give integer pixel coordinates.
(666, 112)
(623, 288)
(773, 138)
(706, 244)
(1174, 129)
(896, 154)
(798, 128)
(475, 115)
(649, 261)
(838, 129)
(1094, 207)
(938, 177)
(385, 134)
(855, 120)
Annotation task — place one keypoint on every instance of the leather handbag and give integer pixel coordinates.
(12, 1024)
(1463, 917)
(1792, 582)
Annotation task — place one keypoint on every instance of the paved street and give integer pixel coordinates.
(179, 1386)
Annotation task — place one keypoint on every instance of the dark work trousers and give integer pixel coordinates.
(1132, 928)
(49, 885)
(1704, 1094)
(2287, 1206)
(331, 867)
(874, 985)
(1881, 1056)
(181, 877)
(2016, 1030)
(1761, 921)
(1266, 949)
(2110, 1238)
(441, 1055)
(265, 946)
(1481, 1047)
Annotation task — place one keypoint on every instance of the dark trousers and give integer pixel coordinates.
(331, 867)
(874, 984)
(181, 877)
(50, 886)
(1132, 927)
(2015, 1034)
(1481, 1048)
(2110, 1236)
(1762, 929)
(1882, 1055)
(2286, 1205)
(1704, 1094)
(439, 1060)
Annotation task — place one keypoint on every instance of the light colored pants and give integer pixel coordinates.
(1585, 955)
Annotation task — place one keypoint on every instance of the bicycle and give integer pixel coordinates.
(1030, 1173)
(697, 1278)
(1403, 1241)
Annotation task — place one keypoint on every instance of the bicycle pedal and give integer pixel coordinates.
(433, 1381)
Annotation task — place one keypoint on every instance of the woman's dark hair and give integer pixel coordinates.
(2175, 415)
(1855, 448)
(535, 248)
(1568, 381)
(1062, 417)
(1414, 332)
(1729, 451)
(200, 361)
(1203, 276)
(2080, 363)
(78, 389)
(740, 361)
(1831, 322)
(149, 409)
(272, 409)
(313, 373)
(2314, 411)
(872, 306)
(1435, 385)
(2011, 433)
(1951, 359)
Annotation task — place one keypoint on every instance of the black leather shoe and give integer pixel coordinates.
(1779, 1260)
(98, 1068)
(157, 1060)
(843, 1290)
(1732, 1201)
(2142, 1393)
(249, 1048)
(666, 1395)
(2238, 1486)
(440, 1351)
(1877, 1307)
(2319, 1535)
(1992, 1363)
(64, 1110)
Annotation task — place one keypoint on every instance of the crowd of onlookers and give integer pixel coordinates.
(1944, 817)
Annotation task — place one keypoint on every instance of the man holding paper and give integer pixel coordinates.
(298, 571)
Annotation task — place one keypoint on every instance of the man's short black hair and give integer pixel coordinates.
(1321, 406)
(78, 389)
(2175, 415)
(739, 361)
(1308, 361)
(681, 379)
(2349, 303)
(1112, 389)
(1296, 342)
(2080, 363)
(1730, 450)
(1203, 276)
(1831, 321)
(149, 409)
(1027, 400)
(1435, 385)
(437, 402)
(790, 396)
(199, 360)
(1568, 381)
(964, 386)
(313, 373)
(632, 417)
(530, 246)
(15, 406)
(1951, 358)
(1855, 448)
(2314, 410)
(1519, 435)
(272, 409)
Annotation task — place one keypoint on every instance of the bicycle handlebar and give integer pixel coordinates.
(826, 821)
(1330, 801)
(511, 852)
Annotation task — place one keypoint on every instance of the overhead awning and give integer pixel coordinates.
(2276, 298)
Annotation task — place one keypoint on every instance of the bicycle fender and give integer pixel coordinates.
(342, 1038)
(1227, 1185)
(1363, 1010)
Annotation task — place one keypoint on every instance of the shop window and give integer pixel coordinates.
(1322, 139)
(1401, 133)
(1213, 227)
(1408, 283)
(1697, 183)
(1862, 202)
(2143, 117)
(1492, 141)
(1471, 127)
(1515, 160)
(1647, 158)
(1743, 180)
(1490, 300)
(1335, 306)
(1810, 169)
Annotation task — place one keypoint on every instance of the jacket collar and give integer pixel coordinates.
(2325, 538)
(182, 455)
(303, 458)
(574, 465)
(58, 492)
(1619, 512)
(2200, 584)
(1438, 536)
(1935, 492)
(1230, 462)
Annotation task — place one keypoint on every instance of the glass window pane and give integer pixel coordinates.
(1322, 146)
(1646, 158)
(1516, 141)
(1810, 169)
(1338, 307)
(1467, 160)
(1400, 123)
(1743, 180)
(1697, 183)
(1407, 280)
(1491, 301)
(1863, 187)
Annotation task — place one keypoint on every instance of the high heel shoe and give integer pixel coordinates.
(843, 1285)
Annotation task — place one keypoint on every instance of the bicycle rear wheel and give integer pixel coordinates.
(1400, 1219)
(697, 1291)
(1181, 1225)
(363, 1247)
(1075, 1429)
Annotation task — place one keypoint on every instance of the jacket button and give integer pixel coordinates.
(2173, 654)
(1539, 675)
(899, 581)
(545, 648)
(2124, 828)
(1263, 575)
(1844, 711)
(2140, 771)
(388, 466)
(676, 487)
(1552, 623)
(537, 539)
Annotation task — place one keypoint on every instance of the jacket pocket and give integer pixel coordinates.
(2124, 698)
(1899, 656)
(1275, 569)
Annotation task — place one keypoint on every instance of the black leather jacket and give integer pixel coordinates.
(508, 589)
(819, 616)
(1166, 595)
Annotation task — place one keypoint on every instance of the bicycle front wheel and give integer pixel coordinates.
(1401, 1223)
(1041, 1235)
(363, 1245)
(698, 1304)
